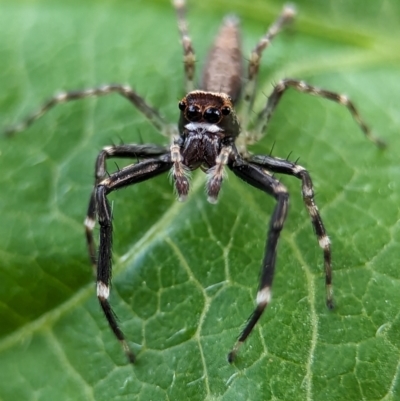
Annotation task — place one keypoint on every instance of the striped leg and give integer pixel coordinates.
(119, 151)
(128, 176)
(126, 91)
(286, 167)
(287, 15)
(189, 58)
(256, 177)
(265, 115)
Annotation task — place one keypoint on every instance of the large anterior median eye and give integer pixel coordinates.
(212, 115)
(193, 113)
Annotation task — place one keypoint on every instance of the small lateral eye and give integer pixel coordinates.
(182, 105)
(193, 113)
(225, 110)
(212, 115)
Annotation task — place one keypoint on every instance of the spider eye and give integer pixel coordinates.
(225, 110)
(193, 113)
(212, 115)
(182, 105)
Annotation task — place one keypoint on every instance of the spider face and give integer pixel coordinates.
(210, 111)
(207, 131)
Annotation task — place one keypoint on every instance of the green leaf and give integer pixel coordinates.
(185, 275)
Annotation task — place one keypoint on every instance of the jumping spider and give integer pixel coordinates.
(209, 137)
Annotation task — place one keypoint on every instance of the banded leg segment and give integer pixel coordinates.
(124, 90)
(287, 15)
(256, 177)
(286, 167)
(128, 176)
(118, 151)
(189, 58)
(265, 115)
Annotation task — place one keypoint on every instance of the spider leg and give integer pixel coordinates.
(189, 58)
(127, 176)
(265, 115)
(287, 15)
(286, 167)
(257, 177)
(120, 151)
(124, 90)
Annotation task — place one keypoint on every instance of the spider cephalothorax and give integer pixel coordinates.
(209, 108)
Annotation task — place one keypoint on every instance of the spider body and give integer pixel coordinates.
(208, 136)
